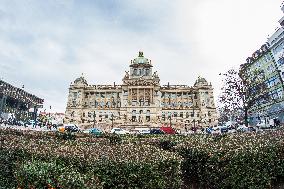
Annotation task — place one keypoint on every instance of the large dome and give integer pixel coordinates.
(141, 59)
(80, 81)
(200, 81)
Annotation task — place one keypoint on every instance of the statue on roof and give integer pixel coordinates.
(140, 54)
(155, 75)
(126, 75)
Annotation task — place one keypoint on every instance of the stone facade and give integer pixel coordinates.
(140, 101)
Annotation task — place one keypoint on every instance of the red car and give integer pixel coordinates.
(168, 130)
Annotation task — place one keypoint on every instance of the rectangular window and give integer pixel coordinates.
(147, 72)
(187, 115)
(75, 95)
(280, 62)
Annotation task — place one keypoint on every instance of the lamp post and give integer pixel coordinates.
(111, 120)
(94, 117)
(170, 114)
(193, 106)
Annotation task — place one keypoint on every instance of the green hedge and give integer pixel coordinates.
(32, 160)
(235, 161)
(245, 160)
(40, 174)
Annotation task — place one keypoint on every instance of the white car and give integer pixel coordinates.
(119, 131)
(242, 128)
(140, 131)
(217, 129)
(263, 125)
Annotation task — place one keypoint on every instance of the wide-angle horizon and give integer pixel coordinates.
(47, 45)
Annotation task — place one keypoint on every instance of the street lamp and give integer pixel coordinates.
(170, 114)
(94, 117)
(193, 106)
(111, 120)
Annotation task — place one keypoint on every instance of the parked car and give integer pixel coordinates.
(142, 130)
(156, 131)
(96, 131)
(223, 128)
(72, 128)
(119, 131)
(218, 129)
(69, 128)
(242, 128)
(251, 129)
(134, 131)
(263, 125)
(215, 130)
(208, 130)
(168, 130)
(30, 123)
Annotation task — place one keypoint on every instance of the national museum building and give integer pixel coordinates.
(140, 101)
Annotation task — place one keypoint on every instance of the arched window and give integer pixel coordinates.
(147, 72)
(148, 116)
(133, 115)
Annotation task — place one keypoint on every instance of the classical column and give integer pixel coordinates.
(105, 99)
(137, 96)
(144, 97)
(152, 95)
(129, 95)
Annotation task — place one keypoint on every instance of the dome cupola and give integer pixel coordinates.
(201, 82)
(80, 81)
(141, 59)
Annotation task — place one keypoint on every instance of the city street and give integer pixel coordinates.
(2, 126)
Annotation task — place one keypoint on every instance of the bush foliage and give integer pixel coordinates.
(246, 160)
(42, 160)
(49, 160)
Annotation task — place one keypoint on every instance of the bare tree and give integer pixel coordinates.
(233, 100)
(241, 92)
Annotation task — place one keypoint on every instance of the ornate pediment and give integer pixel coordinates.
(141, 82)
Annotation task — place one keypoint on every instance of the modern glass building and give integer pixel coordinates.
(17, 101)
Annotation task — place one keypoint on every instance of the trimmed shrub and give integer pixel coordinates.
(40, 174)
(65, 135)
(48, 161)
(7, 159)
(115, 139)
(166, 144)
(235, 161)
(165, 174)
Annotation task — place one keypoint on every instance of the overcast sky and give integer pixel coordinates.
(47, 44)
